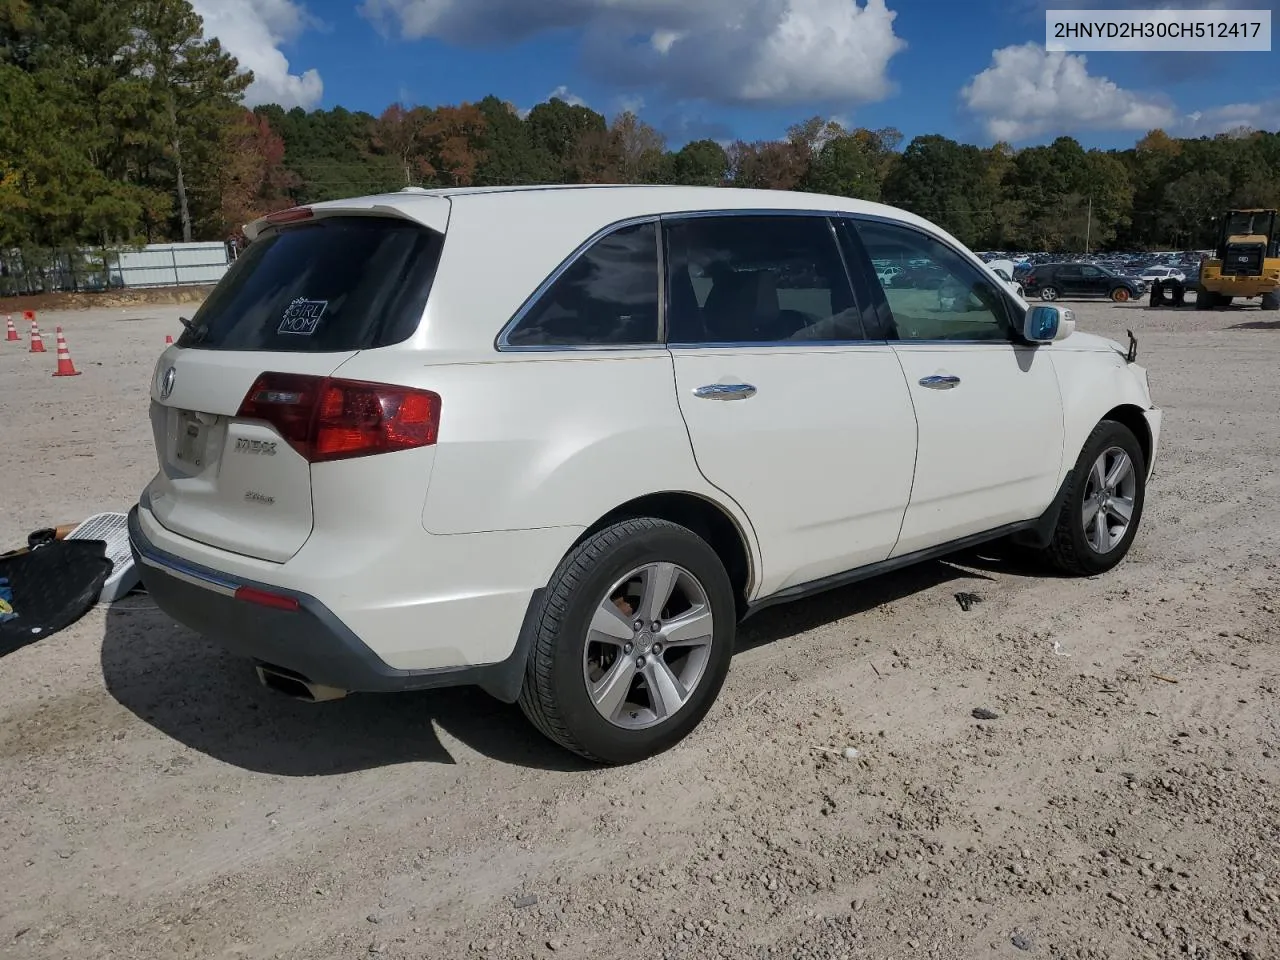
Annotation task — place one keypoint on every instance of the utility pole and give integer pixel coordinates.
(1088, 228)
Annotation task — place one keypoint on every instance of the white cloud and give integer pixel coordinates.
(563, 93)
(768, 52)
(253, 31)
(1228, 117)
(1028, 91)
(630, 104)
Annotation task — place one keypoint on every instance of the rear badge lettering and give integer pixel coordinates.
(254, 497)
(266, 448)
(302, 316)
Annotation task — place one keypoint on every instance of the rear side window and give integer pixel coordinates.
(607, 297)
(326, 285)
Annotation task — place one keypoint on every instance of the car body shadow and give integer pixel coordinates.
(193, 691)
(1256, 325)
(787, 620)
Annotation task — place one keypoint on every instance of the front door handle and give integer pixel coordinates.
(940, 382)
(725, 391)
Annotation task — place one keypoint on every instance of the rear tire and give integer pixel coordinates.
(1270, 301)
(1083, 545)
(1049, 293)
(587, 650)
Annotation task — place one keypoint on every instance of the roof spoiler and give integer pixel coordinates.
(431, 211)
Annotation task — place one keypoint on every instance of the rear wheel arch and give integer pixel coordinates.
(710, 521)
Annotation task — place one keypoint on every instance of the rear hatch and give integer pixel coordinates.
(245, 402)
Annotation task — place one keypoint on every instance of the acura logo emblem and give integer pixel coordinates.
(166, 383)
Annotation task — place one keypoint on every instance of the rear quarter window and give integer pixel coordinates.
(327, 285)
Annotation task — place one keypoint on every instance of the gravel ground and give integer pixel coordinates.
(1123, 801)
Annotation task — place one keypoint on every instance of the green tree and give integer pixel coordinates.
(847, 166)
(702, 163)
(941, 180)
(195, 88)
(561, 129)
(510, 154)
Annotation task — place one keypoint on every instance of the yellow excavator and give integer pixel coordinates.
(1245, 263)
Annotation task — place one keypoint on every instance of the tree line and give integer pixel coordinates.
(121, 124)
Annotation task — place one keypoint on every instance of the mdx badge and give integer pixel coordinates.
(265, 448)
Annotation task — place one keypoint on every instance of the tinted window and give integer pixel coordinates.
(1090, 272)
(944, 297)
(760, 279)
(607, 297)
(337, 283)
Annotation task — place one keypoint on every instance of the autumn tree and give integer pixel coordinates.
(452, 145)
(637, 148)
(254, 179)
(400, 133)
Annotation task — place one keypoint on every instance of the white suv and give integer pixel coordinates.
(559, 442)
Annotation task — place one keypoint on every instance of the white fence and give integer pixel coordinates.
(170, 265)
(37, 270)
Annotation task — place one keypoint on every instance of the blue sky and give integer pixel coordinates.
(975, 70)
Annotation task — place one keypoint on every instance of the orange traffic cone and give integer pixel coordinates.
(65, 367)
(11, 332)
(168, 339)
(37, 343)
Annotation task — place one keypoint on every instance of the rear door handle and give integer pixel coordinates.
(725, 391)
(940, 382)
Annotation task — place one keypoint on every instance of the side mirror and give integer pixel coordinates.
(1046, 324)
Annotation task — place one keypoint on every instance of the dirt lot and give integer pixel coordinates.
(1125, 802)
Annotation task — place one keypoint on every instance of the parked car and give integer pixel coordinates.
(1150, 275)
(1049, 281)
(886, 273)
(1013, 285)
(558, 442)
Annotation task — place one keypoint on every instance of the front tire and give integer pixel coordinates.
(1049, 293)
(634, 643)
(1103, 505)
(1270, 301)
(1120, 295)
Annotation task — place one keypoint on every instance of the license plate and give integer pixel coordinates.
(191, 441)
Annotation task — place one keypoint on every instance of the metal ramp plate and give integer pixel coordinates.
(112, 528)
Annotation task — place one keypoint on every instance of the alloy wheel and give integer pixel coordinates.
(648, 645)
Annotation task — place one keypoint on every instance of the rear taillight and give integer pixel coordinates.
(325, 418)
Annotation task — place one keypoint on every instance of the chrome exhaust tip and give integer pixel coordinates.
(297, 687)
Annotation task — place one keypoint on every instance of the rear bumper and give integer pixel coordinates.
(309, 641)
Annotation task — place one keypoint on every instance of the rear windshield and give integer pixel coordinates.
(325, 285)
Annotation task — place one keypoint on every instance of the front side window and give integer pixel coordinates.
(756, 279)
(607, 297)
(945, 298)
(1090, 272)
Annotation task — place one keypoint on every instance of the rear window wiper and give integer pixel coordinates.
(197, 333)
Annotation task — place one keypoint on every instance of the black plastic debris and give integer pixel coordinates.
(50, 588)
(967, 600)
(982, 713)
